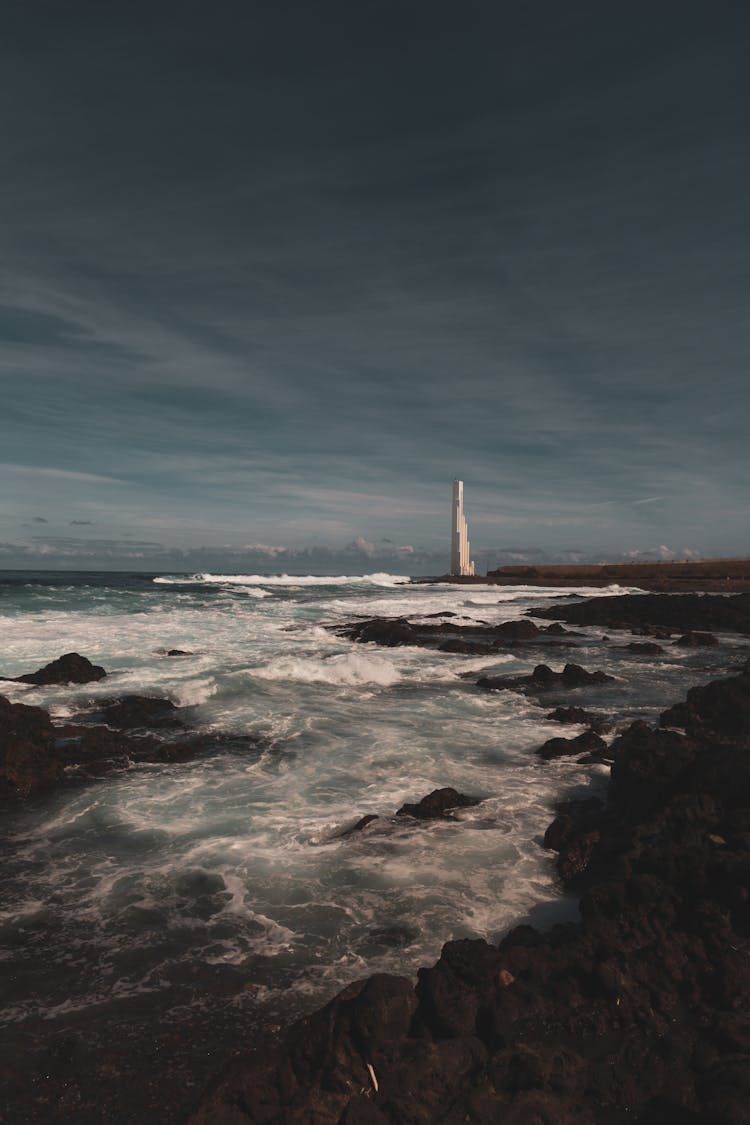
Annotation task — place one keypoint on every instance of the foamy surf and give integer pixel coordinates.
(292, 580)
(235, 859)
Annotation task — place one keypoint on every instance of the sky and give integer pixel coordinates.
(273, 274)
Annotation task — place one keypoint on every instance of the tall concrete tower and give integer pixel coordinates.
(460, 561)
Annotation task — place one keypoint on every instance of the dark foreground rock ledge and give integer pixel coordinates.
(641, 1012)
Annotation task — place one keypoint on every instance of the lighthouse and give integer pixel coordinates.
(461, 565)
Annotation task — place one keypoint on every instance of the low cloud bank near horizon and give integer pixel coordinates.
(359, 556)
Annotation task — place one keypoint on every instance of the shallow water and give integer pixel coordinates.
(224, 878)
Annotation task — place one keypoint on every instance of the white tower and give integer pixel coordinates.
(460, 562)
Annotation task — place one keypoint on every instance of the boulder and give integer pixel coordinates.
(544, 679)
(721, 707)
(381, 631)
(517, 630)
(438, 804)
(135, 712)
(587, 743)
(68, 669)
(696, 640)
(579, 715)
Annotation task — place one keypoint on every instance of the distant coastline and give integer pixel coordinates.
(715, 575)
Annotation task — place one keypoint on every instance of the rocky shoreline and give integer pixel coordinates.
(639, 1012)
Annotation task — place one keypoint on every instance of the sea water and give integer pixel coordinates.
(226, 879)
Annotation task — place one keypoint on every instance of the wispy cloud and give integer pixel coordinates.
(59, 474)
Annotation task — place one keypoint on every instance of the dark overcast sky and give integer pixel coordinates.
(276, 272)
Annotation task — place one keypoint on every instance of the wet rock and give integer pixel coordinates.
(29, 767)
(696, 640)
(136, 712)
(645, 648)
(467, 648)
(587, 743)
(358, 827)
(517, 630)
(579, 715)
(27, 762)
(544, 679)
(438, 804)
(721, 707)
(178, 652)
(660, 632)
(573, 818)
(327, 1060)
(648, 765)
(381, 631)
(637, 1012)
(68, 669)
(675, 612)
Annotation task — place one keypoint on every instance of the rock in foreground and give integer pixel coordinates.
(639, 1012)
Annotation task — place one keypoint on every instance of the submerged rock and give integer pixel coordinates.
(135, 712)
(696, 640)
(544, 679)
(645, 648)
(359, 826)
(579, 715)
(437, 804)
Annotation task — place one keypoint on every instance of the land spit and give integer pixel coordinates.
(664, 577)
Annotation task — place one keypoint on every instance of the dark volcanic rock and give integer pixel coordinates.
(178, 652)
(639, 1012)
(588, 742)
(467, 648)
(645, 648)
(136, 712)
(27, 738)
(381, 631)
(696, 640)
(544, 679)
(579, 715)
(34, 752)
(517, 630)
(358, 827)
(721, 708)
(670, 611)
(68, 669)
(323, 1065)
(438, 804)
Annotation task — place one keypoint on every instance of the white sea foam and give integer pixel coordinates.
(376, 579)
(190, 693)
(343, 668)
(348, 730)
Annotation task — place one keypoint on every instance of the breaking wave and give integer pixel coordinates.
(344, 668)
(378, 579)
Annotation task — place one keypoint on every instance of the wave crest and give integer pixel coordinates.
(207, 579)
(346, 669)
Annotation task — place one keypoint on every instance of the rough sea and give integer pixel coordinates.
(222, 884)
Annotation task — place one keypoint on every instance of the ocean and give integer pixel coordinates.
(221, 887)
